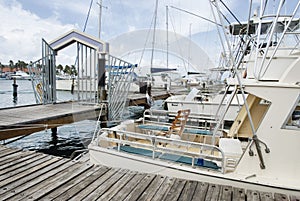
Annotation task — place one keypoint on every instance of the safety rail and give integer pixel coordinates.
(164, 117)
(156, 144)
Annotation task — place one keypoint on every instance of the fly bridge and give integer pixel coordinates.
(89, 64)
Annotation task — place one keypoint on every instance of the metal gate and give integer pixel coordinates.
(120, 75)
(43, 76)
(87, 78)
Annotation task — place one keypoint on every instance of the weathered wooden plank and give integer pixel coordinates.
(56, 182)
(226, 193)
(140, 188)
(22, 166)
(12, 158)
(34, 176)
(109, 182)
(152, 188)
(87, 192)
(11, 162)
(23, 183)
(252, 195)
(213, 192)
(7, 152)
(134, 179)
(280, 197)
(123, 192)
(67, 189)
(164, 188)
(82, 185)
(188, 191)
(175, 190)
(34, 166)
(50, 183)
(238, 194)
(110, 193)
(29, 184)
(201, 191)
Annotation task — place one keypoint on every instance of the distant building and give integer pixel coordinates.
(8, 69)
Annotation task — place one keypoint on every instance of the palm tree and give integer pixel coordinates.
(73, 71)
(1, 67)
(59, 68)
(22, 65)
(11, 65)
(67, 70)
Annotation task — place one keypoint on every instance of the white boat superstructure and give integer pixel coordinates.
(260, 150)
(206, 104)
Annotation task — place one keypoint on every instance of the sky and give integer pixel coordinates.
(25, 22)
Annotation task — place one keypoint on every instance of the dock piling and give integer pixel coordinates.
(15, 90)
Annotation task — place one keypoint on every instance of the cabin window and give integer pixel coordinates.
(293, 120)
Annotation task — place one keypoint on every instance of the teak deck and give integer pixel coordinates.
(27, 175)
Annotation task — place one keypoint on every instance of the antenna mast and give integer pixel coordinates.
(100, 15)
(154, 29)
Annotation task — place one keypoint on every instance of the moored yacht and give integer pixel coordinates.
(259, 151)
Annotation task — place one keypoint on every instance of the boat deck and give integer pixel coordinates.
(26, 175)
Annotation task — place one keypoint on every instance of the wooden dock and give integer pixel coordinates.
(27, 175)
(25, 120)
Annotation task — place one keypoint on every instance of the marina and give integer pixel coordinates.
(36, 176)
(141, 120)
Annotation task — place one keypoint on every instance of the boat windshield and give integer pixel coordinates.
(293, 120)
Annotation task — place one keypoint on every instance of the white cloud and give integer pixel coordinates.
(21, 33)
(22, 30)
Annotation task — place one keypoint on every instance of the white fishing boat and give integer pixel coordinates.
(19, 75)
(260, 150)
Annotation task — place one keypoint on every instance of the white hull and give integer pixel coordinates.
(112, 158)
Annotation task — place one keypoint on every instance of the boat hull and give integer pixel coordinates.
(113, 158)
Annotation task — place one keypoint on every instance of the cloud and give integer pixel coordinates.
(28, 21)
(21, 32)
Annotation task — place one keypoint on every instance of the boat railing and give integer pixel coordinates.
(158, 144)
(163, 117)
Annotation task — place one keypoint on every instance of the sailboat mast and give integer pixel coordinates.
(100, 16)
(154, 29)
(100, 13)
(167, 27)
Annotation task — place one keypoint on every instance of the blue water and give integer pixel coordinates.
(70, 138)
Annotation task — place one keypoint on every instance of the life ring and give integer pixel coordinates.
(39, 89)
